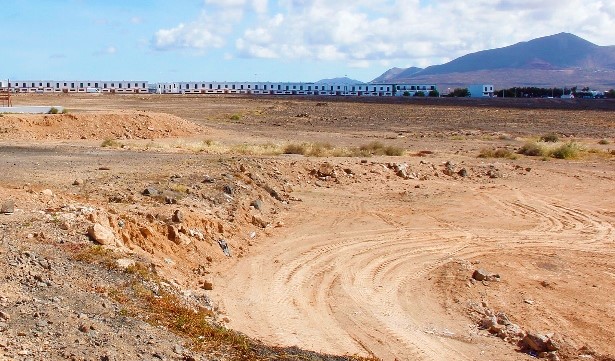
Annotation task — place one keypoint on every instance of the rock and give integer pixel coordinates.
(449, 168)
(494, 173)
(222, 243)
(173, 234)
(124, 263)
(170, 200)
(228, 189)
(178, 216)
(463, 172)
(272, 192)
(326, 170)
(539, 342)
(47, 193)
(488, 322)
(8, 207)
(101, 234)
(257, 204)
(5, 316)
(207, 285)
(78, 182)
(208, 179)
(259, 221)
(480, 274)
(150, 191)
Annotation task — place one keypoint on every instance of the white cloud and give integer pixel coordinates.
(363, 32)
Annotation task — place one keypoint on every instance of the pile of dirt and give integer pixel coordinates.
(99, 126)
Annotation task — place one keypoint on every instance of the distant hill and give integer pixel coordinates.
(394, 73)
(343, 80)
(557, 60)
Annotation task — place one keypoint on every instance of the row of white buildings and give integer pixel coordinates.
(257, 88)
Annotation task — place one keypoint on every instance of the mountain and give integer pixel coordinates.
(396, 73)
(556, 60)
(344, 80)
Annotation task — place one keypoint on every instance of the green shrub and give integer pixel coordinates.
(570, 150)
(235, 117)
(53, 110)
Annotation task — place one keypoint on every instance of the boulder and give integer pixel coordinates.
(101, 234)
(480, 274)
(78, 182)
(326, 170)
(124, 263)
(150, 191)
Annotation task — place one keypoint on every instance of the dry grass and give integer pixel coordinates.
(496, 153)
(110, 143)
(533, 149)
(569, 150)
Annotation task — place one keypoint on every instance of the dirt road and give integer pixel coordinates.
(356, 270)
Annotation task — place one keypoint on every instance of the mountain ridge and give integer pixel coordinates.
(559, 59)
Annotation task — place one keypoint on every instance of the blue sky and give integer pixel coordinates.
(271, 40)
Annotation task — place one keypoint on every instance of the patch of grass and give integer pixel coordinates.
(95, 254)
(603, 142)
(64, 111)
(496, 153)
(235, 117)
(533, 149)
(378, 148)
(550, 138)
(110, 143)
(570, 150)
(178, 188)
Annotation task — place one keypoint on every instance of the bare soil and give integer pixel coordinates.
(340, 255)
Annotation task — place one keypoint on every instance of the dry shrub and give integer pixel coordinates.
(603, 142)
(533, 149)
(496, 153)
(550, 138)
(110, 143)
(378, 148)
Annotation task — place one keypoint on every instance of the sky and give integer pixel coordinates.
(271, 40)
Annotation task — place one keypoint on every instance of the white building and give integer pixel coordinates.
(77, 86)
(480, 90)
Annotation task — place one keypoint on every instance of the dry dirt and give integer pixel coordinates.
(340, 255)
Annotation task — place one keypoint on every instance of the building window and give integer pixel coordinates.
(72, 85)
(128, 85)
(120, 85)
(48, 85)
(96, 85)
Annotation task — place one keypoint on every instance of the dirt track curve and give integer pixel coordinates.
(353, 274)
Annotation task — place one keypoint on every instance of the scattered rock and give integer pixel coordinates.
(78, 182)
(8, 207)
(178, 216)
(463, 172)
(259, 221)
(208, 179)
(47, 193)
(170, 200)
(228, 189)
(539, 342)
(449, 168)
(207, 285)
(150, 191)
(257, 204)
(482, 275)
(124, 263)
(224, 247)
(326, 170)
(101, 234)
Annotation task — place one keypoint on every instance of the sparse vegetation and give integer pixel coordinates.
(570, 150)
(533, 149)
(377, 148)
(110, 143)
(496, 153)
(550, 138)
(235, 117)
(603, 142)
(53, 110)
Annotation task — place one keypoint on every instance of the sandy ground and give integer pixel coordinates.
(362, 262)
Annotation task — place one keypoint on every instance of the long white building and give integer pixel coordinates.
(272, 88)
(256, 88)
(77, 86)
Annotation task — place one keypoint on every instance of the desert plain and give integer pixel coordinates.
(176, 227)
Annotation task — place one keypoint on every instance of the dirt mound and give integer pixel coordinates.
(116, 125)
